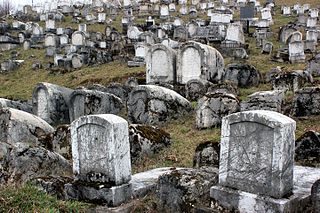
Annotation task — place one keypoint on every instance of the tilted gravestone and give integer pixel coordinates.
(51, 102)
(88, 102)
(101, 159)
(199, 61)
(256, 157)
(17, 126)
(150, 104)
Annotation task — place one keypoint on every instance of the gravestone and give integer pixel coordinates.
(160, 64)
(285, 32)
(264, 100)
(267, 48)
(51, 102)
(89, 102)
(296, 52)
(101, 159)
(286, 10)
(312, 22)
(199, 61)
(78, 38)
(150, 104)
(50, 24)
(50, 40)
(242, 75)
(164, 11)
(180, 33)
(64, 39)
(212, 107)
(256, 159)
(314, 13)
(307, 101)
(21, 127)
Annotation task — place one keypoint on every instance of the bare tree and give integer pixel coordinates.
(6, 7)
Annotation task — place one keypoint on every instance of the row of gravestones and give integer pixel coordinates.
(193, 61)
(256, 171)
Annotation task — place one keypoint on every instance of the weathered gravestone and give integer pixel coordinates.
(101, 160)
(296, 52)
(16, 105)
(154, 104)
(256, 157)
(307, 101)
(242, 75)
(160, 64)
(212, 107)
(88, 102)
(264, 100)
(199, 61)
(21, 127)
(51, 102)
(78, 38)
(50, 40)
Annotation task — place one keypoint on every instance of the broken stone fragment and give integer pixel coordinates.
(207, 154)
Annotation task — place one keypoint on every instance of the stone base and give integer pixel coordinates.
(249, 203)
(246, 202)
(113, 196)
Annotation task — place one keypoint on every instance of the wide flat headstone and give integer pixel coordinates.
(257, 149)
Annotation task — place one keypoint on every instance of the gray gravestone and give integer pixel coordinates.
(257, 149)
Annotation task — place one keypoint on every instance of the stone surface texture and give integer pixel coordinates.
(244, 202)
(88, 102)
(243, 75)
(22, 162)
(307, 101)
(146, 140)
(182, 190)
(19, 126)
(6, 103)
(51, 103)
(101, 149)
(207, 154)
(212, 107)
(257, 151)
(199, 61)
(307, 149)
(150, 104)
(264, 100)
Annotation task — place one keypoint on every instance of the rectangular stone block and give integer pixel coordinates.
(101, 149)
(257, 149)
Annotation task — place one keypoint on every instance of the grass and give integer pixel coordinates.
(29, 199)
(185, 136)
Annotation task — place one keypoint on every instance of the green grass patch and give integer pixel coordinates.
(29, 199)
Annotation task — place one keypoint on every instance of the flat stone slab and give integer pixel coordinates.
(245, 202)
(146, 182)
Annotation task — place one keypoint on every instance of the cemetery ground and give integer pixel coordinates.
(185, 136)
